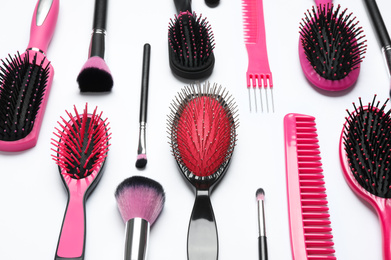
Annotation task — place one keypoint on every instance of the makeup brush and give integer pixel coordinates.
(262, 242)
(140, 201)
(381, 31)
(95, 75)
(141, 151)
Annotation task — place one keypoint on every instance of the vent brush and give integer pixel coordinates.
(25, 82)
(309, 222)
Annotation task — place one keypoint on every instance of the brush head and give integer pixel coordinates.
(260, 194)
(141, 161)
(140, 197)
(191, 44)
(332, 47)
(23, 82)
(202, 128)
(83, 144)
(95, 76)
(366, 140)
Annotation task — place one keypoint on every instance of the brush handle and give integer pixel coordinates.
(97, 44)
(202, 239)
(384, 212)
(183, 6)
(136, 239)
(43, 24)
(262, 247)
(323, 2)
(72, 236)
(145, 83)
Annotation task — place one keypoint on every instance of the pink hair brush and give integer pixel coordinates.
(331, 47)
(81, 153)
(202, 128)
(25, 82)
(364, 152)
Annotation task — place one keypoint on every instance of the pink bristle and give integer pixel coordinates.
(140, 197)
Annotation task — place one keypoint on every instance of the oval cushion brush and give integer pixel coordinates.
(331, 47)
(140, 201)
(25, 82)
(81, 153)
(202, 128)
(364, 152)
(190, 43)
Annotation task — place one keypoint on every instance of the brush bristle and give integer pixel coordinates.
(140, 197)
(260, 194)
(191, 44)
(95, 76)
(141, 161)
(202, 130)
(22, 88)
(83, 144)
(332, 41)
(367, 144)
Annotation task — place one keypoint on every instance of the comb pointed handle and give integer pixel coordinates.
(43, 24)
(202, 240)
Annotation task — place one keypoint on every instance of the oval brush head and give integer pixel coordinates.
(22, 87)
(191, 44)
(331, 47)
(202, 128)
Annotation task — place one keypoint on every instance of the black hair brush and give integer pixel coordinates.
(190, 43)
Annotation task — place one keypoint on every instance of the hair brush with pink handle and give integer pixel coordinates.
(364, 152)
(331, 46)
(25, 82)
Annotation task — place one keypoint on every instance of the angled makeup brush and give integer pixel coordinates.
(95, 75)
(140, 201)
(141, 151)
(262, 241)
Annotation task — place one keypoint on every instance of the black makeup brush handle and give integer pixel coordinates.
(100, 14)
(202, 240)
(183, 5)
(144, 83)
(97, 45)
(262, 247)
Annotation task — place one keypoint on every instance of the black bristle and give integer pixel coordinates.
(332, 42)
(22, 87)
(95, 80)
(367, 138)
(212, 3)
(141, 163)
(139, 182)
(191, 45)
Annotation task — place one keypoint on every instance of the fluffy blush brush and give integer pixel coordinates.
(202, 128)
(331, 47)
(80, 153)
(140, 201)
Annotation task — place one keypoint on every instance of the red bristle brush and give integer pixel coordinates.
(80, 153)
(140, 201)
(202, 127)
(364, 152)
(25, 82)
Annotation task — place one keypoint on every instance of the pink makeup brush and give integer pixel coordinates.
(140, 201)
(331, 47)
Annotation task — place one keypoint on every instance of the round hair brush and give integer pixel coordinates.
(331, 47)
(81, 153)
(365, 154)
(202, 128)
(191, 43)
(140, 201)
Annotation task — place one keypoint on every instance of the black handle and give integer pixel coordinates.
(378, 22)
(183, 5)
(145, 83)
(100, 14)
(262, 246)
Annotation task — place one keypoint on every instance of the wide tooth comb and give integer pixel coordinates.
(310, 227)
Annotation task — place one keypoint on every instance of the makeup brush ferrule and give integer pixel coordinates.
(136, 240)
(387, 56)
(97, 44)
(261, 218)
(142, 139)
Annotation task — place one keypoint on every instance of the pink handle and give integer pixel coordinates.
(384, 213)
(323, 2)
(43, 24)
(71, 242)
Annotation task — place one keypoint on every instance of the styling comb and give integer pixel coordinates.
(310, 227)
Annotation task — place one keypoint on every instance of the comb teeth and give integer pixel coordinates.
(250, 21)
(310, 226)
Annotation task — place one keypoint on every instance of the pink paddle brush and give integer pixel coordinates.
(80, 154)
(330, 47)
(25, 82)
(202, 131)
(364, 152)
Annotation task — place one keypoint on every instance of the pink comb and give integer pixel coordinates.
(309, 222)
(258, 70)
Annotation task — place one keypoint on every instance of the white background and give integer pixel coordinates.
(32, 196)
